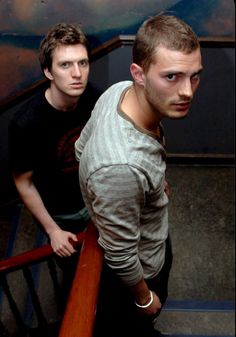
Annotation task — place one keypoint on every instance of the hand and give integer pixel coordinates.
(153, 309)
(61, 242)
(167, 188)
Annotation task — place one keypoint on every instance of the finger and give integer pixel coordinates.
(73, 244)
(57, 252)
(61, 250)
(74, 237)
(68, 249)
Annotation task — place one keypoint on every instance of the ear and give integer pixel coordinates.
(137, 73)
(48, 74)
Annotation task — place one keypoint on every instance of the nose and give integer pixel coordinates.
(76, 72)
(185, 89)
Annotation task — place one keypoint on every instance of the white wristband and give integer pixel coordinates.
(145, 305)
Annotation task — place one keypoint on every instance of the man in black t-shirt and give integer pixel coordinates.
(42, 136)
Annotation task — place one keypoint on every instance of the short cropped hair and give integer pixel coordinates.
(162, 30)
(60, 34)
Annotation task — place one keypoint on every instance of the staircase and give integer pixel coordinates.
(202, 281)
(198, 319)
(201, 288)
(22, 235)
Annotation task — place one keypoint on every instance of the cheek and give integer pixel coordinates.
(59, 76)
(164, 89)
(165, 94)
(160, 91)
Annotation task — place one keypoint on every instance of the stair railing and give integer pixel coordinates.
(79, 315)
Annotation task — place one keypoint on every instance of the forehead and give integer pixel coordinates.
(69, 52)
(167, 60)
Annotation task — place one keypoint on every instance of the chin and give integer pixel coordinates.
(178, 115)
(77, 92)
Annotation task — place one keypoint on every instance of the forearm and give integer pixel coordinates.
(36, 206)
(141, 292)
(130, 272)
(60, 240)
(33, 201)
(147, 301)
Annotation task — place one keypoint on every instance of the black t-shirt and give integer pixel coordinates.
(41, 139)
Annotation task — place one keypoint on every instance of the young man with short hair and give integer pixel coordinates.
(122, 174)
(42, 135)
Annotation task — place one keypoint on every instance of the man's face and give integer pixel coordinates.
(170, 82)
(70, 69)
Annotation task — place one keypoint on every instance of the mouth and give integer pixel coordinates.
(182, 106)
(77, 85)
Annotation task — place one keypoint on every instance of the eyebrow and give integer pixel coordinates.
(198, 72)
(72, 61)
(175, 72)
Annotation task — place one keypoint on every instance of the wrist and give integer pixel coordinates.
(50, 230)
(147, 304)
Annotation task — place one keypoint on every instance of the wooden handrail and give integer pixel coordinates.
(35, 255)
(79, 317)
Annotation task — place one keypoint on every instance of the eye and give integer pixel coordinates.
(65, 65)
(84, 63)
(171, 77)
(195, 77)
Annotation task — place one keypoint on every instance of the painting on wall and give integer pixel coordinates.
(23, 23)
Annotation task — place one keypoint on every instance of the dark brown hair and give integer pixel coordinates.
(166, 31)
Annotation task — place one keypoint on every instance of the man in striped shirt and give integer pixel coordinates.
(122, 174)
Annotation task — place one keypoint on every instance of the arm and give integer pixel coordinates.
(118, 222)
(142, 297)
(60, 240)
(167, 189)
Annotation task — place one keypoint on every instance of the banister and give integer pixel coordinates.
(34, 255)
(79, 317)
(80, 311)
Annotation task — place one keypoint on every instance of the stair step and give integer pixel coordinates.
(197, 335)
(197, 318)
(201, 305)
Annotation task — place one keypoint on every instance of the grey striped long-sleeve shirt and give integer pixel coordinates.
(122, 174)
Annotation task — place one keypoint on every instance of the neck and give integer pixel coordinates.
(137, 108)
(60, 101)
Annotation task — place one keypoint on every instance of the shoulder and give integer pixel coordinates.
(111, 96)
(31, 110)
(118, 88)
